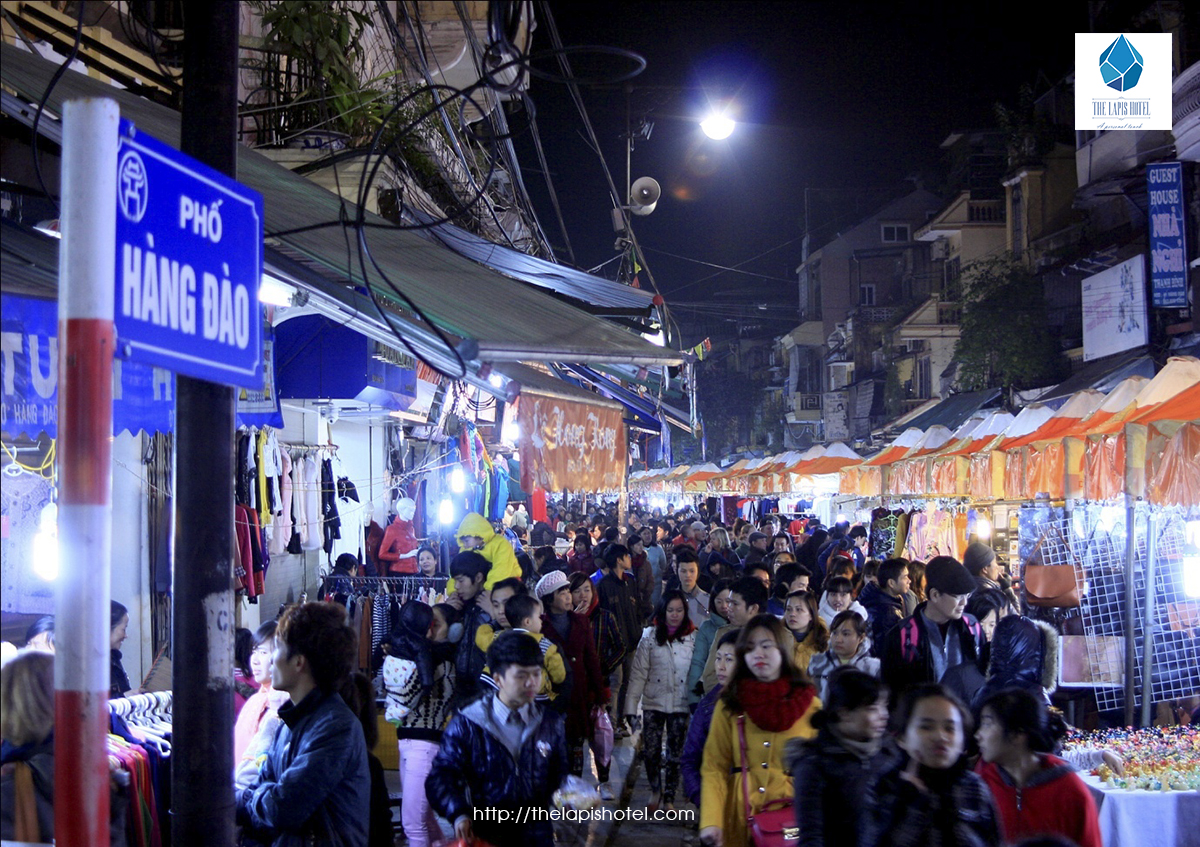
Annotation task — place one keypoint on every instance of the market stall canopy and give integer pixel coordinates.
(1180, 374)
(991, 428)
(1079, 406)
(897, 449)
(831, 458)
(1027, 421)
(509, 320)
(1116, 402)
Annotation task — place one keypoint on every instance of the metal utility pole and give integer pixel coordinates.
(87, 273)
(202, 619)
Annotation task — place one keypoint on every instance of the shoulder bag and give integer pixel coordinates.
(775, 823)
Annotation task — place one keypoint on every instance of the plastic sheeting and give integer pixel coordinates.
(979, 477)
(1174, 478)
(1044, 471)
(1104, 468)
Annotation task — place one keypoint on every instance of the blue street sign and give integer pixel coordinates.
(189, 263)
(1168, 235)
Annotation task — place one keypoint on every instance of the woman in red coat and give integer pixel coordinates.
(1036, 793)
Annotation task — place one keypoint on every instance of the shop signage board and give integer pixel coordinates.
(1114, 309)
(143, 397)
(570, 445)
(1168, 236)
(188, 265)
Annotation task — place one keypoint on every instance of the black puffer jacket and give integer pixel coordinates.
(884, 612)
(469, 662)
(474, 769)
(1024, 654)
(829, 779)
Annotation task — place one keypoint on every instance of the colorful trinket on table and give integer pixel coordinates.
(1155, 758)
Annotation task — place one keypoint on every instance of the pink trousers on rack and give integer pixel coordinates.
(420, 823)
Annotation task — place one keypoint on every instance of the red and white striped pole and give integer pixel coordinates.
(87, 256)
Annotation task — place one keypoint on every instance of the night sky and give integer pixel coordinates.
(845, 96)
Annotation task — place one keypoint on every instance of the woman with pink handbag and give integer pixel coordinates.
(746, 792)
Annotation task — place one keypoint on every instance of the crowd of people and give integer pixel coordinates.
(775, 676)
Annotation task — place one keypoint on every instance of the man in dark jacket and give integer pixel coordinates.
(502, 755)
(315, 785)
(938, 639)
(884, 601)
(618, 594)
(468, 570)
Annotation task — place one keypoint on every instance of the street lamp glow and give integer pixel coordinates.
(718, 126)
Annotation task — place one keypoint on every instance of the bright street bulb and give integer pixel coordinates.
(45, 544)
(275, 292)
(511, 432)
(458, 481)
(983, 529)
(446, 512)
(718, 126)
(496, 380)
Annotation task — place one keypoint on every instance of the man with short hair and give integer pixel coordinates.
(618, 594)
(657, 557)
(747, 598)
(758, 542)
(468, 570)
(686, 537)
(688, 571)
(938, 638)
(503, 752)
(884, 600)
(314, 786)
(858, 545)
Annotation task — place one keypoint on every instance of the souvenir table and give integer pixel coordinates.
(1157, 802)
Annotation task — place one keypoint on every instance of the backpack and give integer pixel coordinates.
(910, 635)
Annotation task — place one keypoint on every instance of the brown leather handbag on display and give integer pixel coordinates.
(1050, 586)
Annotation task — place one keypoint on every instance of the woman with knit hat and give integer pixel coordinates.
(768, 702)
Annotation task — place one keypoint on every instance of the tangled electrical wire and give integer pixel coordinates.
(378, 153)
(504, 67)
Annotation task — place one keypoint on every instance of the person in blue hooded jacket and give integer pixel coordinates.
(502, 752)
(314, 786)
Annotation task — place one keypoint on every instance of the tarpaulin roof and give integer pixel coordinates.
(933, 440)
(955, 409)
(1180, 374)
(992, 427)
(1081, 404)
(1027, 420)
(509, 320)
(1116, 402)
(831, 459)
(896, 450)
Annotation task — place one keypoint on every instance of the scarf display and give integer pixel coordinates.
(774, 706)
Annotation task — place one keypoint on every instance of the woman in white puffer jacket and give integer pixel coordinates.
(659, 681)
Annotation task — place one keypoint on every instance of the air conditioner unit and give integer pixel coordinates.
(940, 249)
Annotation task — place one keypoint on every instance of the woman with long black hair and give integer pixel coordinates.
(659, 680)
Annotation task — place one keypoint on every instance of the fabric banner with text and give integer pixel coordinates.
(570, 445)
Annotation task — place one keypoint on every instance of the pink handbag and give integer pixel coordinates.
(775, 823)
(602, 735)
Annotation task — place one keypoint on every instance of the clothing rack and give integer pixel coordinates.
(139, 708)
(404, 581)
(306, 449)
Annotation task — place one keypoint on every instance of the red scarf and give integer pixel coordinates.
(774, 706)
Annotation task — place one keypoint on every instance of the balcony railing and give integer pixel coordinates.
(986, 211)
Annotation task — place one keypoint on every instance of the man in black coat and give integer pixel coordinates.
(617, 591)
(884, 601)
(502, 757)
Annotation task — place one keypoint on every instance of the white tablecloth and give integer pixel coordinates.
(1146, 818)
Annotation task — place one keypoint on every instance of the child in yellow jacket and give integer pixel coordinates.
(524, 614)
(475, 533)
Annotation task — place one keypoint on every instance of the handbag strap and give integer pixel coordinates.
(741, 721)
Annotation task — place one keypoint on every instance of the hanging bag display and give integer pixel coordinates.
(1050, 586)
(775, 823)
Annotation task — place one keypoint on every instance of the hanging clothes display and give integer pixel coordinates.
(281, 532)
(331, 523)
(373, 607)
(139, 741)
(313, 536)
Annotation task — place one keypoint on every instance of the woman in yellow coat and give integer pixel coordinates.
(777, 701)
